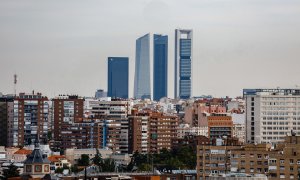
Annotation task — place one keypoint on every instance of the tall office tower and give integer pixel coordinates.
(117, 83)
(183, 63)
(271, 114)
(30, 119)
(142, 84)
(160, 68)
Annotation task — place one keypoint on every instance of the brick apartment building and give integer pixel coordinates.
(219, 125)
(162, 131)
(279, 162)
(30, 119)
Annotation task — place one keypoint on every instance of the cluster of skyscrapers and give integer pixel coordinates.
(153, 50)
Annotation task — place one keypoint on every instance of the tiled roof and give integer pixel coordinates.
(23, 151)
(55, 158)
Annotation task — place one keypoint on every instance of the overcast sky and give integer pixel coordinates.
(60, 47)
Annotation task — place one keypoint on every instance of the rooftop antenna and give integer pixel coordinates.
(15, 84)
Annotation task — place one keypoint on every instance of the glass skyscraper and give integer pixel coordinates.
(160, 66)
(183, 63)
(117, 83)
(142, 84)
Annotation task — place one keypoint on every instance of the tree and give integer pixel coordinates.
(59, 170)
(84, 160)
(108, 165)
(145, 167)
(74, 169)
(137, 160)
(11, 171)
(49, 135)
(97, 160)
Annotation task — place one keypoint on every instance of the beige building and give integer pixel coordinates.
(282, 162)
(58, 161)
(238, 131)
(214, 159)
(74, 154)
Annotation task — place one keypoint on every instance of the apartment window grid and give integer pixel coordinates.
(279, 116)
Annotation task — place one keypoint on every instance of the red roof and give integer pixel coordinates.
(56, 158)
(23, 151)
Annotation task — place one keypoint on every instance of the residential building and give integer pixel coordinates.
(68, 109)
(142, 83)
(74, 154)
(183, 63)
(280, 162)
(162, 131)
(238, 131)
(6, 118)
(214, 159)
(160, 66)
(185, 130)
(58, 161)
(219, 125)
(114, 117)
(117, 74)
(139, 138)
(271, 114)
(30, 119)
(20, 155)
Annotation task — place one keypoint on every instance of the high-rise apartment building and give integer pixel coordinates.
(163, 130)
(117, 83)
(6, 117)
(67, 110)
(113, 116)
(183, 63)
(160, 66)
(138, 137)
(271, 114)
(142, 83)
(30, 119)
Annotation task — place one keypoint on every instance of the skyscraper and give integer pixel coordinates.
(183, 61)
(160, 67)
(142, 86)
(117, 83)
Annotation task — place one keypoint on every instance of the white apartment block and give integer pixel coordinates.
(271, 114)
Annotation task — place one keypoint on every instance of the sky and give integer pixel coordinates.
(61, 47)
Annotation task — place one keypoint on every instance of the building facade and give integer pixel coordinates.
(142, 83)
(214, 159)
(183, 63)
(219, 125)
(30, 119)
(117, 74)
(138, 139)
(280, 162)
(271, 114)
(160, 66)
(6, 118)
(67, 110)
(163, 129)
